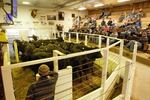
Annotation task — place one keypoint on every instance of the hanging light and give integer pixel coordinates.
(99, 5)
(82, 8)
(26, 3)
(122, 0)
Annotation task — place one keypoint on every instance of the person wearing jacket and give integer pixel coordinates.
(44, 88)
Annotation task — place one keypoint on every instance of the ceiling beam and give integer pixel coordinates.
(71, 1)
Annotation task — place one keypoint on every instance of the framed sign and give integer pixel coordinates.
(61, 15)
(51, 17)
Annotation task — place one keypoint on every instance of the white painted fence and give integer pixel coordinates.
(63, 89)
(99, 94)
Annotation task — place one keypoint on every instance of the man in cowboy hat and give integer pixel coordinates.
(44, 88)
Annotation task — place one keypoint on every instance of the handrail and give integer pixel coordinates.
(114, 44)
(39, 61)
(94, 35)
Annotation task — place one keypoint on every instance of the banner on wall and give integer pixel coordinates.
(3, 37)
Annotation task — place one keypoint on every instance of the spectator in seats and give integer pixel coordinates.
(141, 42)
(102, 15)
(115, 35)
(148, 33)
(132, 14)
(44, 88)
(144, 40)
(130, 45)
(122, 17)
(132, 30)
(106, 28)
(140, 13)
(110, 22)
(138, 24)
(125, 33)
(103, 23)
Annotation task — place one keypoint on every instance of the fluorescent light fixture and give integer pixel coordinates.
(82, 8)
(99, 5)
(123, 0)
(26, 3)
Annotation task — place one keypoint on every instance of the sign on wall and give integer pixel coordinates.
(51, 17)
(61, 15)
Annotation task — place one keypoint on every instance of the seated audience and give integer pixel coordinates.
(130, 30)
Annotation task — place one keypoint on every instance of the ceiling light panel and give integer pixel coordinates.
(123, 0)
(26, 3)
(98, 5)
(82, 8)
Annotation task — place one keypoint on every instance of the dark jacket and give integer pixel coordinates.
(44, 88)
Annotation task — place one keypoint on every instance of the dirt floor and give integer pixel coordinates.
(22, 79)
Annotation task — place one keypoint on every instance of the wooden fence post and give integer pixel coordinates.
(55, 61)
(16, 51)
(8, 83)
(104, 73)
(107, 42)
(69, 37)
(125, 88)
(77, 37)
(86, 40)
(63, 35)
(100, 41)
(120, 58)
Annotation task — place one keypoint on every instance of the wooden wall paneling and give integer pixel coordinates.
(143, 5)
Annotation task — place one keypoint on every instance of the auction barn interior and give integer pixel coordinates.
(74, 49)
